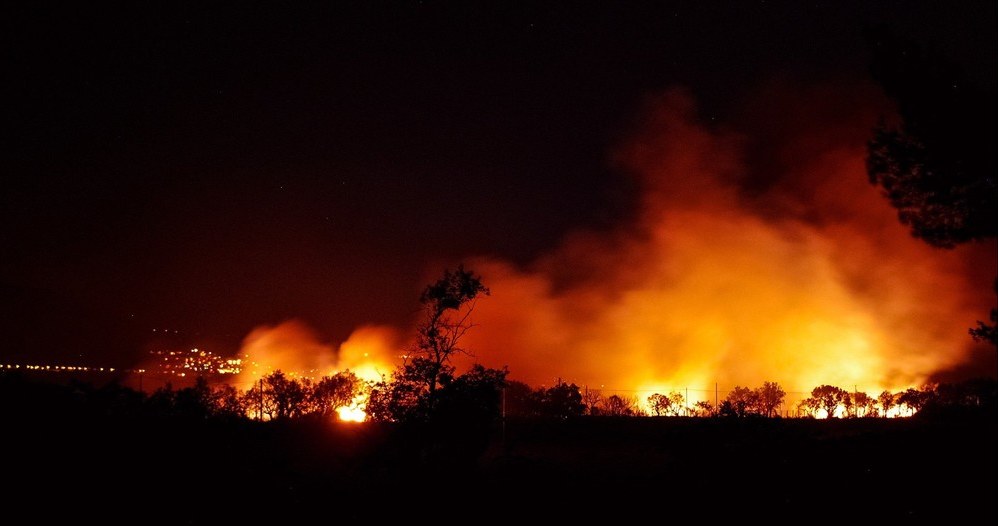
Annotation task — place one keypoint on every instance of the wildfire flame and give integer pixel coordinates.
(805, 280)
(351, 414)
(294, 348)
(732, 271)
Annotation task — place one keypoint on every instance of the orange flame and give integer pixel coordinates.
(810, 280)
(351, 414)
(719, 280)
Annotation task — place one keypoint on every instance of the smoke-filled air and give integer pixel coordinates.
(750, 256)
(806, 279)
(294, 348)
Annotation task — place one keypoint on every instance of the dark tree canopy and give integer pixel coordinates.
(937, 165)
(453, 290)
(438, 335)
(828, 397)
(424, 387)
(988, 333)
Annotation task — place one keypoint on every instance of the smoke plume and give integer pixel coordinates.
(755, 255)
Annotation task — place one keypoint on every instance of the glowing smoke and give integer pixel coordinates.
(763, 256)
(803, 276)
(294, 348)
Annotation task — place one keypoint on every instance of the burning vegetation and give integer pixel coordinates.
(426, 385)
(717, 282)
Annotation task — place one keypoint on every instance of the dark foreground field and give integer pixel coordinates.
(589, 471)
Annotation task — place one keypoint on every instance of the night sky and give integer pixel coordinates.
(207, 168)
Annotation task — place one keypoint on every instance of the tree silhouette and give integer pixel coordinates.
(560, 401)
(593, 400)
(677, 403)
(659, 404)
(769, 398)
(333, 392)
(862, 405)
(226, 402)
(463, 418)
(848, 405)
(288, 394)
(397, 399)
(519, 399)
(937, 166)
(616, 405)
(829, 398)
(413, 391)
(915, 399)
(887, 401)
(447, 305)
(740, 402)
(667, 405)
(977, 394)
(259, 402)
(703, 408)
(276, 396)
(984, 332)
(162, 400)
(808, 407)
(195, 401)
(475, 396)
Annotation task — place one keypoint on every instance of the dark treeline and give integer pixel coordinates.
(182, 456)
(481, 394)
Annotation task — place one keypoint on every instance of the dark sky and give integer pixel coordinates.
(209, 167)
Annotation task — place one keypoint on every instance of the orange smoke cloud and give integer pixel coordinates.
(370, 352)
(294, 348)
(804, 277)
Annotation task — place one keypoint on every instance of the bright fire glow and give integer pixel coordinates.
(806, 280)
(370, 352)
(351, 414)
(295, 349)
(715, 282)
